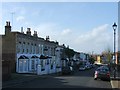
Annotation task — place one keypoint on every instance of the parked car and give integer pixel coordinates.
(82, 67)
(102, 72)
(91, 66)
(87, 67)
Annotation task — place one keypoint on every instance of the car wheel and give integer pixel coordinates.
(95, 78)
(108, 79)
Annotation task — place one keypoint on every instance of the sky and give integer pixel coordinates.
(84, 26)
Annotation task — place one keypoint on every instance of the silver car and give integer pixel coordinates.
(81, 68)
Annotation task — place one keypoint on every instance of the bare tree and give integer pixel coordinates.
(107, 54)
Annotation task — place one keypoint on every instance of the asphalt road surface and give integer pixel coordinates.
(80, 79)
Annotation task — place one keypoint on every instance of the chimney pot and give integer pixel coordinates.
(47, 38)
(6, 23)
(28, 31)
(22, 30)
(9, 23)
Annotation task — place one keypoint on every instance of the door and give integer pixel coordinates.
(23, 65)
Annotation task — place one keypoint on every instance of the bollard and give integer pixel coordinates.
(38, 69)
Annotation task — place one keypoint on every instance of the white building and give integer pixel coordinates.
(30, 53)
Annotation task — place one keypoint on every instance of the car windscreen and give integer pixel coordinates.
(104, 69)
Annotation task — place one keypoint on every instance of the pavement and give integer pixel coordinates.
(115, 82)
(17, 79)
(23, 78)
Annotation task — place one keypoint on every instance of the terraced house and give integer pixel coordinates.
(29, 53)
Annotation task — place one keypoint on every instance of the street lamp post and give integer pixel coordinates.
(114, 28)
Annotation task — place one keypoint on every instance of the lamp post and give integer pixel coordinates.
(114, 28)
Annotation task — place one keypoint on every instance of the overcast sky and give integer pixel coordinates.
(84, 26)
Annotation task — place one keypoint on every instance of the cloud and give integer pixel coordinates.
(96, 34)
(37, 12)
(54, 31)
(15, 9)
(20, 18)
(95, 40)
(47, 29)
(66, 32)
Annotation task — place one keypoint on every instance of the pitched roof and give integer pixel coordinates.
(23, 57)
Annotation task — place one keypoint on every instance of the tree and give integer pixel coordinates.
(91, 60)
(69, 52)
(107, 54)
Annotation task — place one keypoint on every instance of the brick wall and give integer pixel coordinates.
(9, 57)
(6, 72)
(9, 50)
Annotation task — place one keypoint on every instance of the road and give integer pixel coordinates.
(80, 79)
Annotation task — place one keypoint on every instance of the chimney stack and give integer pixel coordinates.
(22, 30)
(7, 27)
(28, 31)
(47, 38)
(35, 34)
